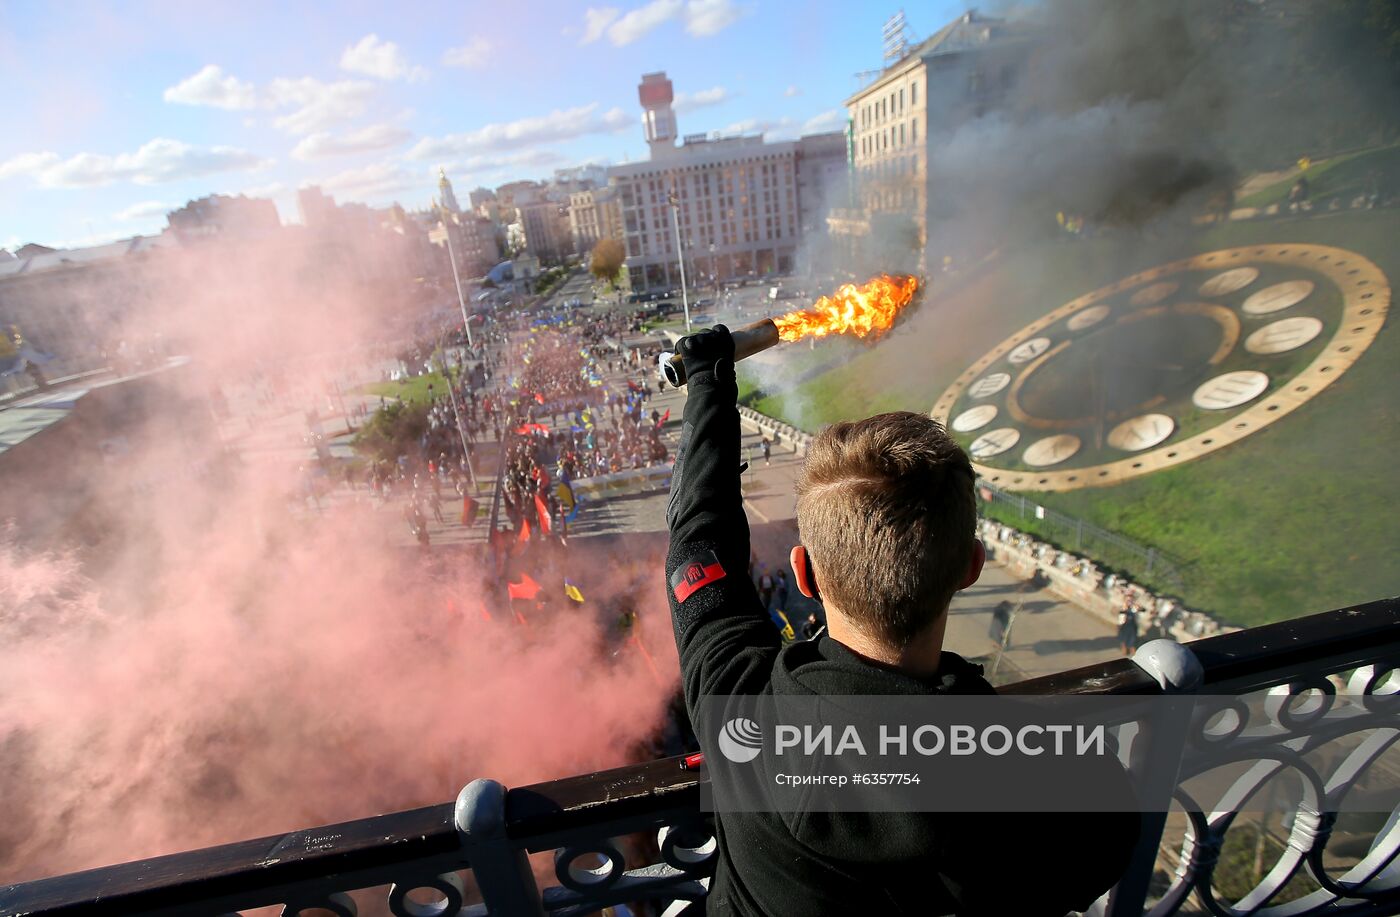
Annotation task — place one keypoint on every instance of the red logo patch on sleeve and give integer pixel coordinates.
(694, 574)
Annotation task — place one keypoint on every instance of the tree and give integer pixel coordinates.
(606, 262)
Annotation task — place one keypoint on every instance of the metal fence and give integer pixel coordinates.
(1144, 563)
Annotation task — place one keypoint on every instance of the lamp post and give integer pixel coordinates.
(456, 278)
(680, 253)
(456, 413)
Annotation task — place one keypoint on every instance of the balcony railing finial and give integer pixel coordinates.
(502, 871)
(1174, 667)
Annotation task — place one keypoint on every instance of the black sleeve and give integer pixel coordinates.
(726, 643)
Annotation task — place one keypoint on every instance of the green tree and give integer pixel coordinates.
(391, 431)
(606, 261)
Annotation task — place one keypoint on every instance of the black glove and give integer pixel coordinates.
(710, 351)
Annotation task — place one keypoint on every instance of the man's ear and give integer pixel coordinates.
(974, 567)
(803, 573)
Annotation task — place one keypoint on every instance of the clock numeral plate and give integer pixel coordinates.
(1230, 390)
(1051, 450)
(1283, 335)
(1278, 297)
(1230, 281)
(974, 418)
(1155, 293)
(1141, 432)
(989, 385)
(994, 443)
(1086, 318)
(1024, 353)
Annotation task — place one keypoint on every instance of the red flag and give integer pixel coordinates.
(526, 589)
(664, 417)
(539, 397)
(532, 428)
(469, 511)
(542, 511)
(485, 615)
(524, 531)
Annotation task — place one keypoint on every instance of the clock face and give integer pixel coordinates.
(1165, 366)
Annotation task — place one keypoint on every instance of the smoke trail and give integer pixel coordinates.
(191, 654)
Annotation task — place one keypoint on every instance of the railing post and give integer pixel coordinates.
(1151, 553)
(502, 872)
(1156, 755)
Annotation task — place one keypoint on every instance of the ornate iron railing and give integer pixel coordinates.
(1322, 678)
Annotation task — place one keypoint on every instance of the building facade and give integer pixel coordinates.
(964, 71)
(546, 225)
(221, 215)
(737, 201)
(594, 215)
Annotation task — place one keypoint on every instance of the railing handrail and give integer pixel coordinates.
(368, 851)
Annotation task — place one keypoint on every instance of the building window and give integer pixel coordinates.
(901, 101)
(914, 130)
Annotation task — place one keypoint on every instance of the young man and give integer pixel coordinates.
(886, 514)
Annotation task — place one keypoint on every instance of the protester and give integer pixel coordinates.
(886, 515)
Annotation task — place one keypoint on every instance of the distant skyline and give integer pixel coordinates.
(117, 114)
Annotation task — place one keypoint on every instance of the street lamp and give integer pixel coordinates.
(456, 413)
(680, 253)
(452, 258)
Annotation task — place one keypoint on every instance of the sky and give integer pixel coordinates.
(118, 113)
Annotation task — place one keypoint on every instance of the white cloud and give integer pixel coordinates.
(214, 88)
(684, 102)
(379, 180)
(490, 162)
(27, 164)
(367, 140)
(792, 91)
(704, 18)
(558, 125)
(473, 55)
(381, 59)
(596, 22)
(319, 106)
(831, 120)
(159, 160)
(144, 210)
(271, 189)
(637, 23)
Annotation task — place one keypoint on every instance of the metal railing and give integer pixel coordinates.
(471, 857)
(1070, 533)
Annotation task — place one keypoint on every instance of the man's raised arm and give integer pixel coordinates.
(722, 632)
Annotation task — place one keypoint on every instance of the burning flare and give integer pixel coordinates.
(860, 310)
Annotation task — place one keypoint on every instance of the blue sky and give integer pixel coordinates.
(116, 113)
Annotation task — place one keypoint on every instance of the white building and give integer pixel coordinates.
(737, 199)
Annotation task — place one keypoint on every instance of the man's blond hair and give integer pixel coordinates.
(886, 511)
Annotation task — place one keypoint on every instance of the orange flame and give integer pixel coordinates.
(860, 310)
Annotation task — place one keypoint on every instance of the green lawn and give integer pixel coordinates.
(412, 391)
(1341, 177)
(1295, 519)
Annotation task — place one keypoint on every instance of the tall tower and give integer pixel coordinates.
(445, 195)
(658, 118)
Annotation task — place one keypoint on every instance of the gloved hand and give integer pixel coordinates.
(708, 351)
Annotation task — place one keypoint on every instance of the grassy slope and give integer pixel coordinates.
(1342, 176)
(1295, 519)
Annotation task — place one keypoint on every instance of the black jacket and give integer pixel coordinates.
(818, 863)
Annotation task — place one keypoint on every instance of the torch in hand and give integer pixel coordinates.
(863, 311)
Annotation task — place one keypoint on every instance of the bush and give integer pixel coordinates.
(391, 431)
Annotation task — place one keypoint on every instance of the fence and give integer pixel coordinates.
(1312, 683)
(1144, 563)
